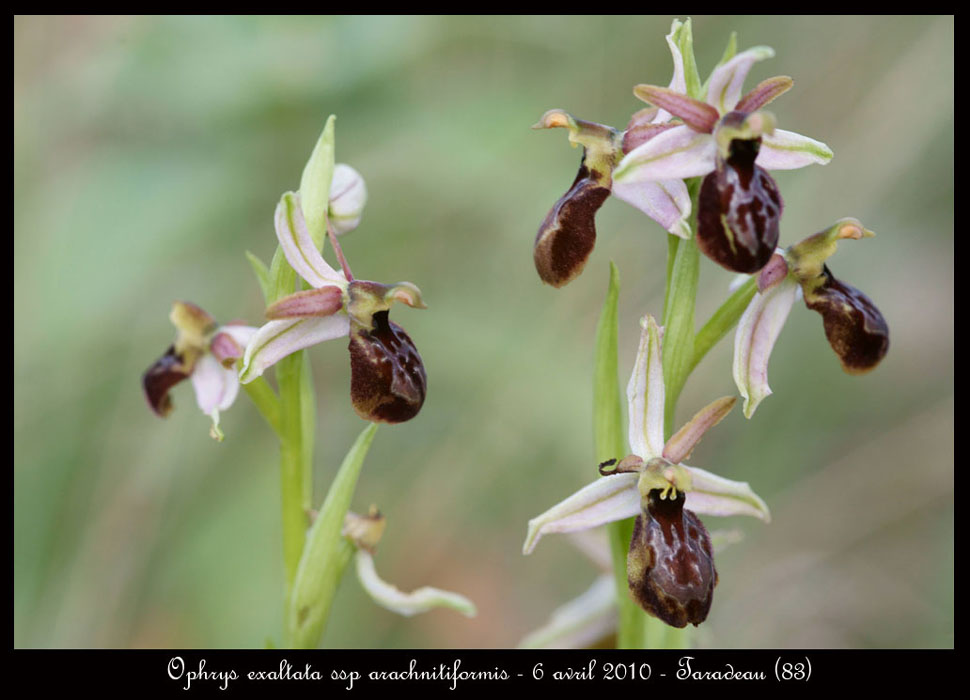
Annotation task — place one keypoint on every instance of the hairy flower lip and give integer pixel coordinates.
(670, 565)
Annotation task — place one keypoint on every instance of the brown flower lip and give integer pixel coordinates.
(388, 381)
(854, 326)
(739, 208)
(166, 372)
(670, 566)
(568, 233)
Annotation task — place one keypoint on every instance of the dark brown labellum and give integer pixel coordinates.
(670, 567)
(167, 371)
(855, 328)
(738, 211)
(568, 233)
(387, 379)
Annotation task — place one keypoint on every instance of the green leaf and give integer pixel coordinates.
(609, 443)
(315, 184)
(262, 274)
(607, 418)
(324, 559)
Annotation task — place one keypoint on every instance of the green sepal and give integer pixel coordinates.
(325, 554)
(315, 184)
(684, 38)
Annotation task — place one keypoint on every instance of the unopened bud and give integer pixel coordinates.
(348, 195)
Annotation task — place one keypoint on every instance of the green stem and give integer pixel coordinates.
(678, 339)
(308, 419)
(723, 320)
(266, 401)
(288, 373)
(683, 272)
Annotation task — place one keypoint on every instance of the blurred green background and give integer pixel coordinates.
(150, 154)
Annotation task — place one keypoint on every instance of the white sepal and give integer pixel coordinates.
(645, 394)
(755, 337)
(607, 499)
(423, 599)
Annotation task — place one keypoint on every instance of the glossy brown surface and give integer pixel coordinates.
(167, 371)
(855, 328)
(568, 233)
(670, 566)
(387, 378)
(739, 211)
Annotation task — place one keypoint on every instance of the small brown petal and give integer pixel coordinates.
(855, 328)
(764, 92)
(324, 301)
(773, 273)
(167, 371)
(698, 115)
(739, 211)
(225, 349)
(670, 566)
(387, 378)
(568, 233)
(640, 129)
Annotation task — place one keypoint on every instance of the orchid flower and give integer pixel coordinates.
(364, 532)
(671, 575)
(388, 381)
(723, 139)
(204, 351)
(854, 326)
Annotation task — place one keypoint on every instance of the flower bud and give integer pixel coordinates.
(739, 205)
(348, 195)
(670, 566)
